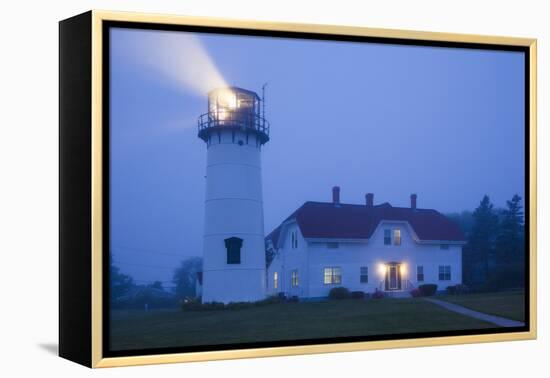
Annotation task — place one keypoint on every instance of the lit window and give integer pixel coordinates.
(444, 246)
(333, 275)
(275, 280)
(444, 272)
(397, 237)
(420, 273)
(364, 274)
(333, 245)
(387, 237)
(294, 278)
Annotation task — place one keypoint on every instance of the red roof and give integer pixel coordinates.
(325, 220)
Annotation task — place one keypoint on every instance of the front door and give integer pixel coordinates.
(393, 278)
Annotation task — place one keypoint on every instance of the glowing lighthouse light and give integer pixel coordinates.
(234, 107)
(234, 130)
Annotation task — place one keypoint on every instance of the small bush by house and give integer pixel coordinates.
(415, 293)
(427, 290)
(457, 289)
(192, 304)
(378, 294)
(271, 300)
(358, 294)
(239, 305)
(339, 293)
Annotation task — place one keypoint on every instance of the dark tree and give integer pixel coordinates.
(464, 219)
(185, 276)
(156, 285)
(510, 245)
(510, 238)
(120, 283)
(479, 249)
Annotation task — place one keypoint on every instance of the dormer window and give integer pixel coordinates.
(392, 236)
(396, 236)
(387, 237)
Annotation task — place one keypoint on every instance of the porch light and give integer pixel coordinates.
(382, 268)
(403, 269)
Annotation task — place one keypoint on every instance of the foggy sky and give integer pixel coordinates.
(444, 123)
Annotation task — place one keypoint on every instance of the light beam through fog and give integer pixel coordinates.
(179, 57)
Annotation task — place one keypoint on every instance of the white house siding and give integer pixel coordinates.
(349, 257)
(287, 260)
(312, 257)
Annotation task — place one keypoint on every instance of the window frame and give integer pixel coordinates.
(444, 273)
(294, 278)
(294, 239)
(387, 236)
(362, 274)
(275, 280)
(396, 237)
(333, 273)
(418, 273)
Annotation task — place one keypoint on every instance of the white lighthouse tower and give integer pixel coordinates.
(234, 251)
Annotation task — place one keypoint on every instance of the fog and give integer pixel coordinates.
(444, 123)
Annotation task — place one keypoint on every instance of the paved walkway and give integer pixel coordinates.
(499, 321)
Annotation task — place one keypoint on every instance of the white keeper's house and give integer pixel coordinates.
(363, 247)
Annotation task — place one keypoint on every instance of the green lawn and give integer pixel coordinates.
(509, 304)
(284, 321)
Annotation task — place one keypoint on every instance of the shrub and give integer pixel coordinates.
(294, 298)
(270, 300)
(462, 289)
(427, 290)
(457, 289)
(239, 305)
(191, 304)
(358, 294)
(209, 306)
(378, 294)
(415, 293)
(339, 293)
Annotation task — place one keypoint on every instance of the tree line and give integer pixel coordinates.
(126, 293)
(494, 255)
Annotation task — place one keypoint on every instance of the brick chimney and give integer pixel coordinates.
(413, 201)
(336, 195)
(369, 197)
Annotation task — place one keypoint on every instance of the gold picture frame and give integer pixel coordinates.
(89, 330)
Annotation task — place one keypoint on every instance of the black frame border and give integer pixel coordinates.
(107, 25)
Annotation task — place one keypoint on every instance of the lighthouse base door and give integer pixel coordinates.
(393, 277)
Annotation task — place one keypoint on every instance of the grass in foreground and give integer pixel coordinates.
(283, 321)
(508, 304)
